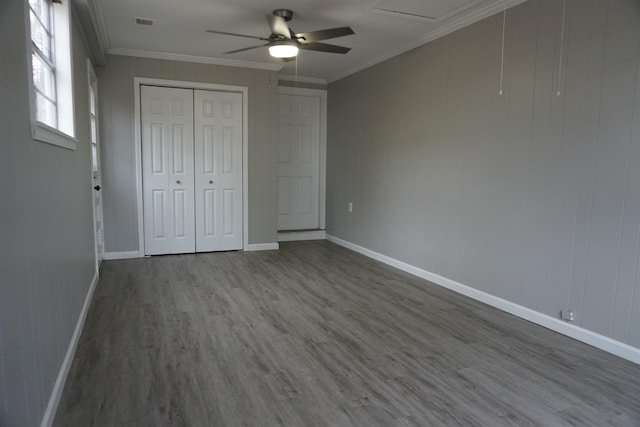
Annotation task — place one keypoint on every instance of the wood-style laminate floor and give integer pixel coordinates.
(317, 335)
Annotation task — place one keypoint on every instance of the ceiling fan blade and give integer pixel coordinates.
(247, 48)
(238, 35)
(324, 47)
(329, 33)
(279, 26)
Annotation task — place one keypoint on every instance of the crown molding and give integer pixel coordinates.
(97, 16)
(92, 28)
(455, 25)
(194, 58)
(302, 79)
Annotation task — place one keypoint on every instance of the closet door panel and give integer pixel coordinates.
(167, 169)
(218, 170)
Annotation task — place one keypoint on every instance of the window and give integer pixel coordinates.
(42, 61)
(52, 112)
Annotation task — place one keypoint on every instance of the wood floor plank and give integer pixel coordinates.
(317, 335)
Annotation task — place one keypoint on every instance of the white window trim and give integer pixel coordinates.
(44, 133)
(40, 131)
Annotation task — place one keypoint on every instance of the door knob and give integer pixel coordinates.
(97, 188)
(210, 182)
(178, 182)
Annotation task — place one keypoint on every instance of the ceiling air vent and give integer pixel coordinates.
(144, 21)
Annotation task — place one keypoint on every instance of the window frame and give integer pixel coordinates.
(45, 56)
(64, 133)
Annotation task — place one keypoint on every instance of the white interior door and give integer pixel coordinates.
(95, 166)
(298, 162)
(218, 170)
(167, 169)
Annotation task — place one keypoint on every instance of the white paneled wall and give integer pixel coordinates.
(529, 196)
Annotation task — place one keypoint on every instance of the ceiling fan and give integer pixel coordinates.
(284, 43)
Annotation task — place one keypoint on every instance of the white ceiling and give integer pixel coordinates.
(383, 28)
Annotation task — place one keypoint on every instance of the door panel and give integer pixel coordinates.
(305, 191)
(209, 213)
(180, 214)
(218, 170)
(228, 221)
(157, 148)
(158, 214)
(298, 162)
(167, 169)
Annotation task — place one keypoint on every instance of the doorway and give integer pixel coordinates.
(301, 162)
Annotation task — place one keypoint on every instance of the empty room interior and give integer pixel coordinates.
(327, 213)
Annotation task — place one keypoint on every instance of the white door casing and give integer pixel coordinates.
(299, 178)
(138, 83)
(218, 170)
(96, 177)
(167, 169)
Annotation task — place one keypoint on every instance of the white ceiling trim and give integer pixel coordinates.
(197, 59)
(302, 79)
(472, 18)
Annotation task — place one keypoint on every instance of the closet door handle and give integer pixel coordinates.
(178, 182)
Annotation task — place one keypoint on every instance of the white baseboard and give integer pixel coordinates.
(293, 236)
(58, 387)
(108, 256)
(596, 340)
(262, 247)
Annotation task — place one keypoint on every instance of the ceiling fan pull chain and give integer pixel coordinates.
(564, 10)
(504, 26)
(296, 88)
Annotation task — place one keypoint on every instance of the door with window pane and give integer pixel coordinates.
(95, 165)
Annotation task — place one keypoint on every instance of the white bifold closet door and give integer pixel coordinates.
(191, 170)
(218, 170)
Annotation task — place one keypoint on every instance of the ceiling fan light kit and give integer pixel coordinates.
(283, 50)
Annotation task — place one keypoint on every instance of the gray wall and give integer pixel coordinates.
(118, 141)
(46, 232)
(529, 196)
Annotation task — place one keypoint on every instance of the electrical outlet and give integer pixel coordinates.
(567, 315)
(350, 207)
